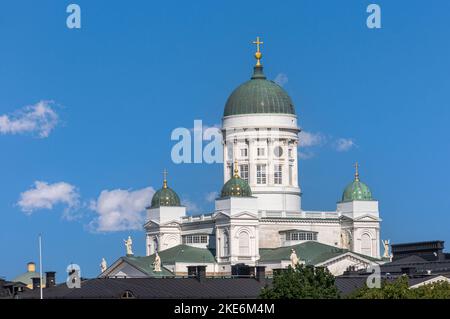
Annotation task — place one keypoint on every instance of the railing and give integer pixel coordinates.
(303, 214)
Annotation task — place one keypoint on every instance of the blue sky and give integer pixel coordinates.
(88, 113)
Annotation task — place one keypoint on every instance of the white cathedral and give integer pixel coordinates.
(258, 219)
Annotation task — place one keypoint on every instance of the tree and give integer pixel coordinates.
(303, 282)
(399, 289)
(436, 290)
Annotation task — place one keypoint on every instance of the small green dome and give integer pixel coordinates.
(259, 95)
(236, 187)
(356, 190)
(165, 197)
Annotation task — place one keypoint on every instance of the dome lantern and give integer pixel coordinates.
(165, 196)
(357, 190)
(259, 95)
(236, 186)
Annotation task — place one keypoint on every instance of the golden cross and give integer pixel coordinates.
(258, 43)
(165, 178)
(356, 171)
(258, 54)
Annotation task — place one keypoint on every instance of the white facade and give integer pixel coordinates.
(265, 145)
(265, 148)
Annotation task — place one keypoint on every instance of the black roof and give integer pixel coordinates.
(156, 288)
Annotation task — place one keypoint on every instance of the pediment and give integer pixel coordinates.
(244, 215)
(221, 216)
(366, 217)
(355, 258)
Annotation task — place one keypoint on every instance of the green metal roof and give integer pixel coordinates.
(145, 264)
(180, 253)
(259, 95)
(165, 197)
(311, 252)
(236, 187)
(357, 190)
(186, 253)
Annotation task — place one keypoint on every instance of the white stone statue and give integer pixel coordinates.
(386, 244)
(294, 258)
(103, 265)
(157, 263)
(128, 245)
(345, 240)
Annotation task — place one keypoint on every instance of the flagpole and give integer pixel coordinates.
(40, 264)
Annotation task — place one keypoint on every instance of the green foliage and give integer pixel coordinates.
(437, 290)
(303, 282)
(399, 289)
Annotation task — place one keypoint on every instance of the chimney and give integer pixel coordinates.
(31, 267)
(36, 282)
(50, 279)
(260, 273)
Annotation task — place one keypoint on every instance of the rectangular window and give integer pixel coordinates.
(244, 152)
(278, 174)
(244, 172)
(290, 153)
(261, 174)
(195, 239)
(301, 236)
(261, 151)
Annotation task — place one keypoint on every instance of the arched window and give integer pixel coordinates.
(366, 245)
(244, 244)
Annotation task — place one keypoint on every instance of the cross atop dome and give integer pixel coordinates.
(356, 165)
(165, 178)
(258, 54)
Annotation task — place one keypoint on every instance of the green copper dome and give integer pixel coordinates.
(165, 197)
(259, 95)
(356, 190)
(236, 187)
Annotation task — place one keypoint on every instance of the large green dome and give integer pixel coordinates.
(356, 190)
(236, 187)
(165, 197)
(259, 95)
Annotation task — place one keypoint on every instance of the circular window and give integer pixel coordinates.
(278, 151)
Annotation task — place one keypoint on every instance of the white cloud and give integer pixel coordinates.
(120, 210)
(281, 79)
(305, 155)
(211, 197)
(45, 196)
(38, 119)
(307, 139)
(344, 144)
(190, 206)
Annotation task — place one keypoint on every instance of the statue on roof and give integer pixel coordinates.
(128, 245)
(157, 263)
(386, 244)
(103, 265)
(345, 240)
(294, 258)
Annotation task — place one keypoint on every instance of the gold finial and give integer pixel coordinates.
(258, 54)
(236, 171)
(356, 172)
(165, 178)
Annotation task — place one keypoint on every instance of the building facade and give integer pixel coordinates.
(259, 208)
